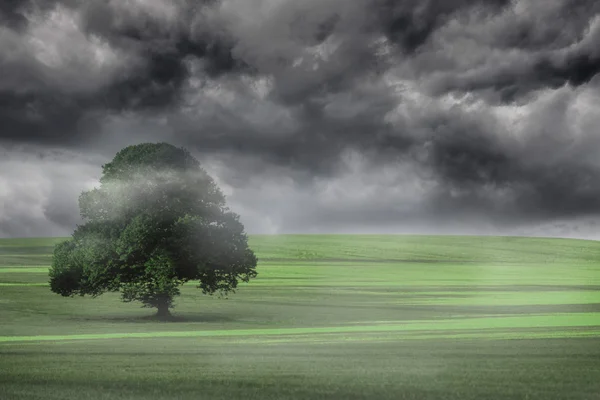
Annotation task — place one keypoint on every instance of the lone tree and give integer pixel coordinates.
(156, 221)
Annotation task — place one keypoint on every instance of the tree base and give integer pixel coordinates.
(163, 314)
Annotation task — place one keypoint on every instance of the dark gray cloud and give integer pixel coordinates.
(409, 24)
(316, 115)
(75, 61)
(529, 46)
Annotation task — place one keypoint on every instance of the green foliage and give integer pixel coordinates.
(156, 221)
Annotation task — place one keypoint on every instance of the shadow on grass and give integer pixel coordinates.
(153, 318)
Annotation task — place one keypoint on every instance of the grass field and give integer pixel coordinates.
(329, 317)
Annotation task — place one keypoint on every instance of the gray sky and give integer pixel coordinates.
(454, 116)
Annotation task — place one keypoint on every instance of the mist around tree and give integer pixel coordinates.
(156, 222)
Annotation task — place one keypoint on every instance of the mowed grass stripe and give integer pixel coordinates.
(333, 338)
(306, 284)
(23, 284)
(7, 270)
(401, 296)
(543, 321)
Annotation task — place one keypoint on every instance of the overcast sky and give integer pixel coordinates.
(422, 116)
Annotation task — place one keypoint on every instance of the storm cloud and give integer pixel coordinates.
(466, 116)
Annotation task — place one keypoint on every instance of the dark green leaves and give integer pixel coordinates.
(66, 271)
(148, 157)
(157, 221)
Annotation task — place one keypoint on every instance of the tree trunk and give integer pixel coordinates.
(163, 308)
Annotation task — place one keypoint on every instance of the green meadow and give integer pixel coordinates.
(328, 317)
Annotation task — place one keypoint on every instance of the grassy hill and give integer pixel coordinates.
(329, 316)
(368, 247)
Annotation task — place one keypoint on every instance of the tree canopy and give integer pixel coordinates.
(156, 221)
